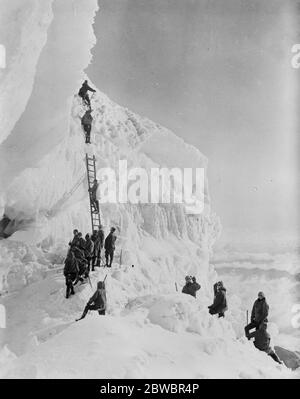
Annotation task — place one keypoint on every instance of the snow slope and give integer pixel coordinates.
(153, 330)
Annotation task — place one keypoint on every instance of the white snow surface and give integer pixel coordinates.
(150, 330)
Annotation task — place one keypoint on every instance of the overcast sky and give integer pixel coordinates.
(217, 73)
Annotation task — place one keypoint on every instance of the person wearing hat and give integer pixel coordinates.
(110, 246)
(97, 301)
(83, 93)
(191, 286)
(259, 314)
(262, 341)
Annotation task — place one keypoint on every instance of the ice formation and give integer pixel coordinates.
(152, 329)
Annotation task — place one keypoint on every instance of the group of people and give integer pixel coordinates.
(219, 305)
(87, 119)
(259, 314)
(84, 254)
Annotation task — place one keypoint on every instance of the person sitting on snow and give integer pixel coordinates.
(97, 301)
(86, 122)
(220, 302)
(83, 92)
(262, 341)
(191, 286)
(259, 313)
(71, 271)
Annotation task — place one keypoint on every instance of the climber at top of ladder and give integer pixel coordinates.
(83, 93)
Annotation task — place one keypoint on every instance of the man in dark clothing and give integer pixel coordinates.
(89, 250)
(93, 195)
(100, 243)
(86, 122)
(262, 341)
(95, 240)
(97, 301)
(70, 272)
(220, 302)
(259, 313)
(81, 242)
(191, 286)
(75, 239)
(81, 262)
(83, 92)
(110, 246)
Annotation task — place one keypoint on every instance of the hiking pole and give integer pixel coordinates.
(247, 316)
(90, 282)
(176, 287)
(104, 278)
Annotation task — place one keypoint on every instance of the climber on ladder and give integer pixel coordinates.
(83, 93)
(86, 123)
(93, 195)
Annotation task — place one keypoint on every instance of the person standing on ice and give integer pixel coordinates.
(191, 286)
(110, 246)
(83, 93)
(259, 313)
(93, 195)
(75, 239)
(71, 271)
(86, 122)
(97, 301)
(89, 250)
(100, 243)
(220, 302)
(262, 341)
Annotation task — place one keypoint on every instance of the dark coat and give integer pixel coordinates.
(89, 248)
(110, 242)
(191, 288)
(260, 311)
(93, 190)
(84, 89)
(220, 302)
(71, 265)
(87, 119)
(99, 299)
(262, 340)
(101, 237)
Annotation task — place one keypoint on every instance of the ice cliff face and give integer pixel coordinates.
(42, 153)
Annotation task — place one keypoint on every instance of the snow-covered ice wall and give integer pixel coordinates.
(42, 152)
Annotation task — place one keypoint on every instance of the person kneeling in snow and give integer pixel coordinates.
(191, 286)
(262, 341)
(220, 302)
(97, 301)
